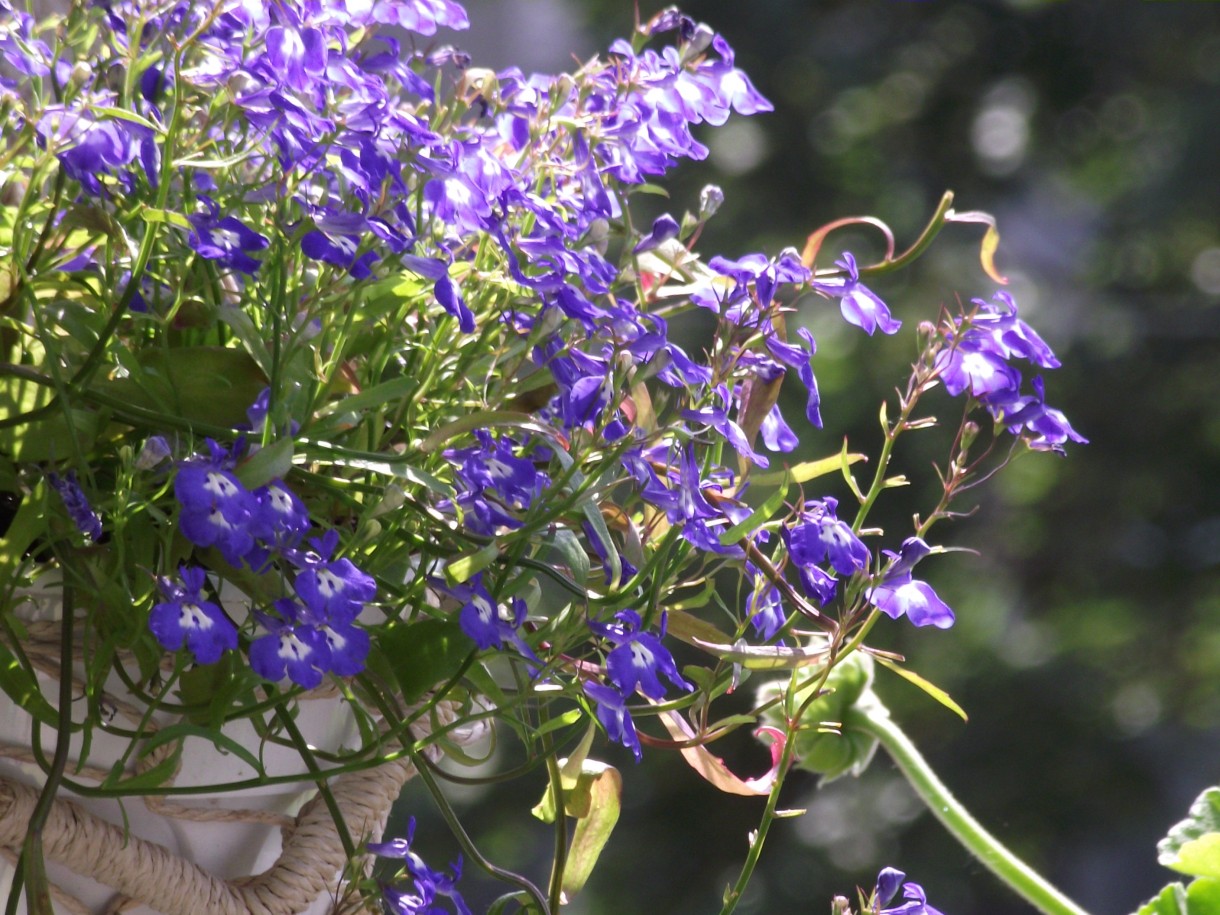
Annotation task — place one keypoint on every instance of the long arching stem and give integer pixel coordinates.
(1024, 880)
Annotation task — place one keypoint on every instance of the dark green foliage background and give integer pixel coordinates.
(1088, 645)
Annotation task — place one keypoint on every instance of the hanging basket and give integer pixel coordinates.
(268, 849)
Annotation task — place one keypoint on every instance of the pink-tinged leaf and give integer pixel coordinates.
(713, 769)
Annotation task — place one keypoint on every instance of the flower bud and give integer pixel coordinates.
(970, 431)
(81, 73)
(710, 199)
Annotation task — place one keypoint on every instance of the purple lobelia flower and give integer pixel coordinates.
(216, 508)
(888, 882)
(899, 594)
(185, 616)
(293, 645)
(639, 659)
(664, 228)
(615, 718)
(225, 239)
(335, 587)
(859, 304)
(818, 535)
(480, 619)
(428, 886)
(278, 516)
(764, 606)
(81, 512)
(1048, 429)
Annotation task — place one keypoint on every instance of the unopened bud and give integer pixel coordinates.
(710, 199)
(81, 74)
(970, 431)
(701, 37)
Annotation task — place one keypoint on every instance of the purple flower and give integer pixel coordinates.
(1048, 428)
(664, 228)
(278, 515)
(292, 646)
(859, 304)
(427, 884)
(638, 659)
(447, 294)
(226, 240)
(615, 718)
(898, 594)
(422, 16)
(184, 616)
(480, 619)
(888, 882)
(336, 589)
(818, 535)
(764, 606)
(216, 509)
(82, 514)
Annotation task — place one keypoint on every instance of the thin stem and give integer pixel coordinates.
(38, 897)
(1019, 876)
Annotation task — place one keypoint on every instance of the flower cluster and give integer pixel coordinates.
(978, 360)
(429, 891)
(414, 297)
(307, 635)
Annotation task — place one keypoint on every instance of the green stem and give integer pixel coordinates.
(1020, 877)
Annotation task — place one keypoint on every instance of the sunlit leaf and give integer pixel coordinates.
(930, 688)
(1193, 845)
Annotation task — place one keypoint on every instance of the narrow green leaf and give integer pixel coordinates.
(930, 688)
(759, 516)
(806, 470)
(124, 115)
(223, 743)
(153, 214)
(22, 688)
(690, 628)
(463, 569)
(150, 778)
(763, 657)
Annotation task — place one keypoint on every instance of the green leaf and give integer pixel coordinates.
(763, 657)
(424, 653)
(759, 516)
(1169, 901)
(152, 214)
(54, 437)
(267, 464)
(22, 688)
(463, 568)
(807, 470)
(930, 688)
(125, 115)
(1193, 845)
(690, 628)
(205, 384)
(571, 553)
(1203, 896)
(604, 786)
(219, 740)
(150, 778)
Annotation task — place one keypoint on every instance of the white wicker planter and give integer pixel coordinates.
(254, 851)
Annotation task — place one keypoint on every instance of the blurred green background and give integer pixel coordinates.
(1087, 649)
